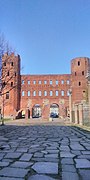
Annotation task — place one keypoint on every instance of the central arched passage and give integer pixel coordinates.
(54, 110)
(36, 111)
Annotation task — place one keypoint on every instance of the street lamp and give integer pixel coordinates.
(2, 98)
(88, 83)
(70, 104)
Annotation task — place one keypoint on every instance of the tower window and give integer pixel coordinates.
(3, 84)
(4, 63)
(8, 73)
(11, 63)
(75, 73)
(78, 63)
(79, 83)
(83, 73)
(7, 95)
(11, 84)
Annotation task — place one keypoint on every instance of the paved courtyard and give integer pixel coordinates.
(44, 152)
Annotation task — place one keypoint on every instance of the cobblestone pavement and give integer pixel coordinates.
(44, 152)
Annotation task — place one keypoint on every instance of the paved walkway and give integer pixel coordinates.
(44, 152)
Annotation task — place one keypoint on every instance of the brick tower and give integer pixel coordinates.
(79, 69)
(11, 85)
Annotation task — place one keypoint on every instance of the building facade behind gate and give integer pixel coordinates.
(42, 95)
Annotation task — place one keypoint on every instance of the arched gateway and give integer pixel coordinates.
(54, 110)
(36, 111)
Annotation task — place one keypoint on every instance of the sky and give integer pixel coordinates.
(47, 34)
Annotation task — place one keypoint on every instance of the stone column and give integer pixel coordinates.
(80, 114)
(76, 114)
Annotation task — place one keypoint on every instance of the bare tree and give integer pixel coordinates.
(5, 79)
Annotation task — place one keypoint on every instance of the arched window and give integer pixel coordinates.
(23, 93)
(28, 82)
(62, 81)
(22, 81)
(56, 82)
(34, 93)
(50, 81)
(62, 93)
(56, 93)
(39, 93)
(68, 82)
(45, 82)
(51, 93)
(45, 93)
(28, 93)
(68, 93)
(34, 82)
(39, 82)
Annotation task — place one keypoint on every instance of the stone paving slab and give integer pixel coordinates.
(46, 167)
(85, 174)
(82, 163)
(70, 176)
(13, 172)
(19, 164)
(40, 177)
(26, 157)
(44, 152)
(68, 168)
(13, 155)
(67, 161)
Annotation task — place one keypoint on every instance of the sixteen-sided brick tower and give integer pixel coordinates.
(10, 85)
(33, 96)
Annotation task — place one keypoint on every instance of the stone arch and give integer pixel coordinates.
(36, 111)
(54, 110)
(20, 114)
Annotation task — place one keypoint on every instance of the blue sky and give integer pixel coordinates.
(47, 33)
